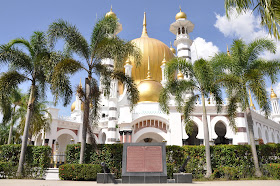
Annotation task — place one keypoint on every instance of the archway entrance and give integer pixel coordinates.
(150, 137)
(221, 131)
(192, 140)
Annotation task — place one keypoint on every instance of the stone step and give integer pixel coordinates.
(52, 174)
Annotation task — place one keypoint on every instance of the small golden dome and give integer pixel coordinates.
(73, 106)
(180, 75)
(181, 15)
(111, 13)
(273, 95)
(149, 90)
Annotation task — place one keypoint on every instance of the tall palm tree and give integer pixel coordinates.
(103, 44)
(8, 106)
(200, 82)
(269, 10)
(242, 70)
(34, 67)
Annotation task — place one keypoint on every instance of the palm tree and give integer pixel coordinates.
(200, 82)
(242, 70)
(34, 67)
(8, 106)
(269, 10)
(103, 44)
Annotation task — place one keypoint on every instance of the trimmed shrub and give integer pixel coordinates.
(37, 159)
(79, 171)
(273, 170)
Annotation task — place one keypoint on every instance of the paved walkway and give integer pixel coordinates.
(18, 182)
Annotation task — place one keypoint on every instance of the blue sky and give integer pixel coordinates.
(212, 30)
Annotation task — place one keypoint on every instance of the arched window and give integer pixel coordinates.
(221, 131)
(179, 31)
(183, 30)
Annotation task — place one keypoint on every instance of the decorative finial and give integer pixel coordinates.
(128, 61)
(149, 73)
(228, 51)
(144, 32)
(251, 101)
(272, 95)
(180, 8)
(164, 60)
(111, 9)
(180, 75)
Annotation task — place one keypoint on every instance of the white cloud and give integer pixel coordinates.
(246, 27)
(203, 49)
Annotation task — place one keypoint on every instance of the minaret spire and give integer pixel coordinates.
(228, 51)
(251, 101)
(144, 32)
(149, 73)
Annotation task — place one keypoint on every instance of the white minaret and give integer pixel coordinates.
(113, 99)
(275, 114)
(181, 28)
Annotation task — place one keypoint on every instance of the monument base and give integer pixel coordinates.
(182, 177)
(106, 178)
(144, 179)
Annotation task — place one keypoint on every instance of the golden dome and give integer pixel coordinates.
(149, 90)
(273, 95)
(111, 13)
(172, 49)
(73, 106)
(153, 48)
(181, 15)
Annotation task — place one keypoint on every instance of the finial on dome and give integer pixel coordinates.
(172, 49)
(149, 73)
(144, 32)
(111, 13)
(273, 95)
(228, 53)
(251, 101)
(180, 75)
(181, 15)
(128, 62)
(164, 60)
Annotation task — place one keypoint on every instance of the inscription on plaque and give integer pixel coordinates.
(144, 159)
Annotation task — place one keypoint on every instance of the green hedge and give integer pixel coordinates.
(37, 159)
(79, 171)
(273, 170)
(228, 161)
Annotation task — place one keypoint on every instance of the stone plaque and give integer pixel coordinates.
(144, 159)
(144, 163)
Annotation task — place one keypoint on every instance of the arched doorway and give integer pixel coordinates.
(221, 131)
(150, 137)
(192, 140)
(39, 140)
(103, 139)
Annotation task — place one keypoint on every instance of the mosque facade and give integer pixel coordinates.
(146, 123)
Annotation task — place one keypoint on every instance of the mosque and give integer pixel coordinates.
(146, 123)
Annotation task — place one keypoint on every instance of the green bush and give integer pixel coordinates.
(228, 161)
(79, 171)
(7, 170)
(273, 170)
(37, 159)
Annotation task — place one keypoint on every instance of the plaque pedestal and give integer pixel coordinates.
(144, 163)
(182, 177)
(106, 178)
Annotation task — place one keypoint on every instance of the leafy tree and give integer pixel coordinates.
(35, 67)
(269, 10)
(104, 44)
(200, 82)
(242, 70)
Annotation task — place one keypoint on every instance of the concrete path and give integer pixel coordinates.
(18, 182)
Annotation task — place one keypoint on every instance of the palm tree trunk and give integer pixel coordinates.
(85, 121)
(10, 134)
(206, 139)
(26, 128)
(252, 141)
